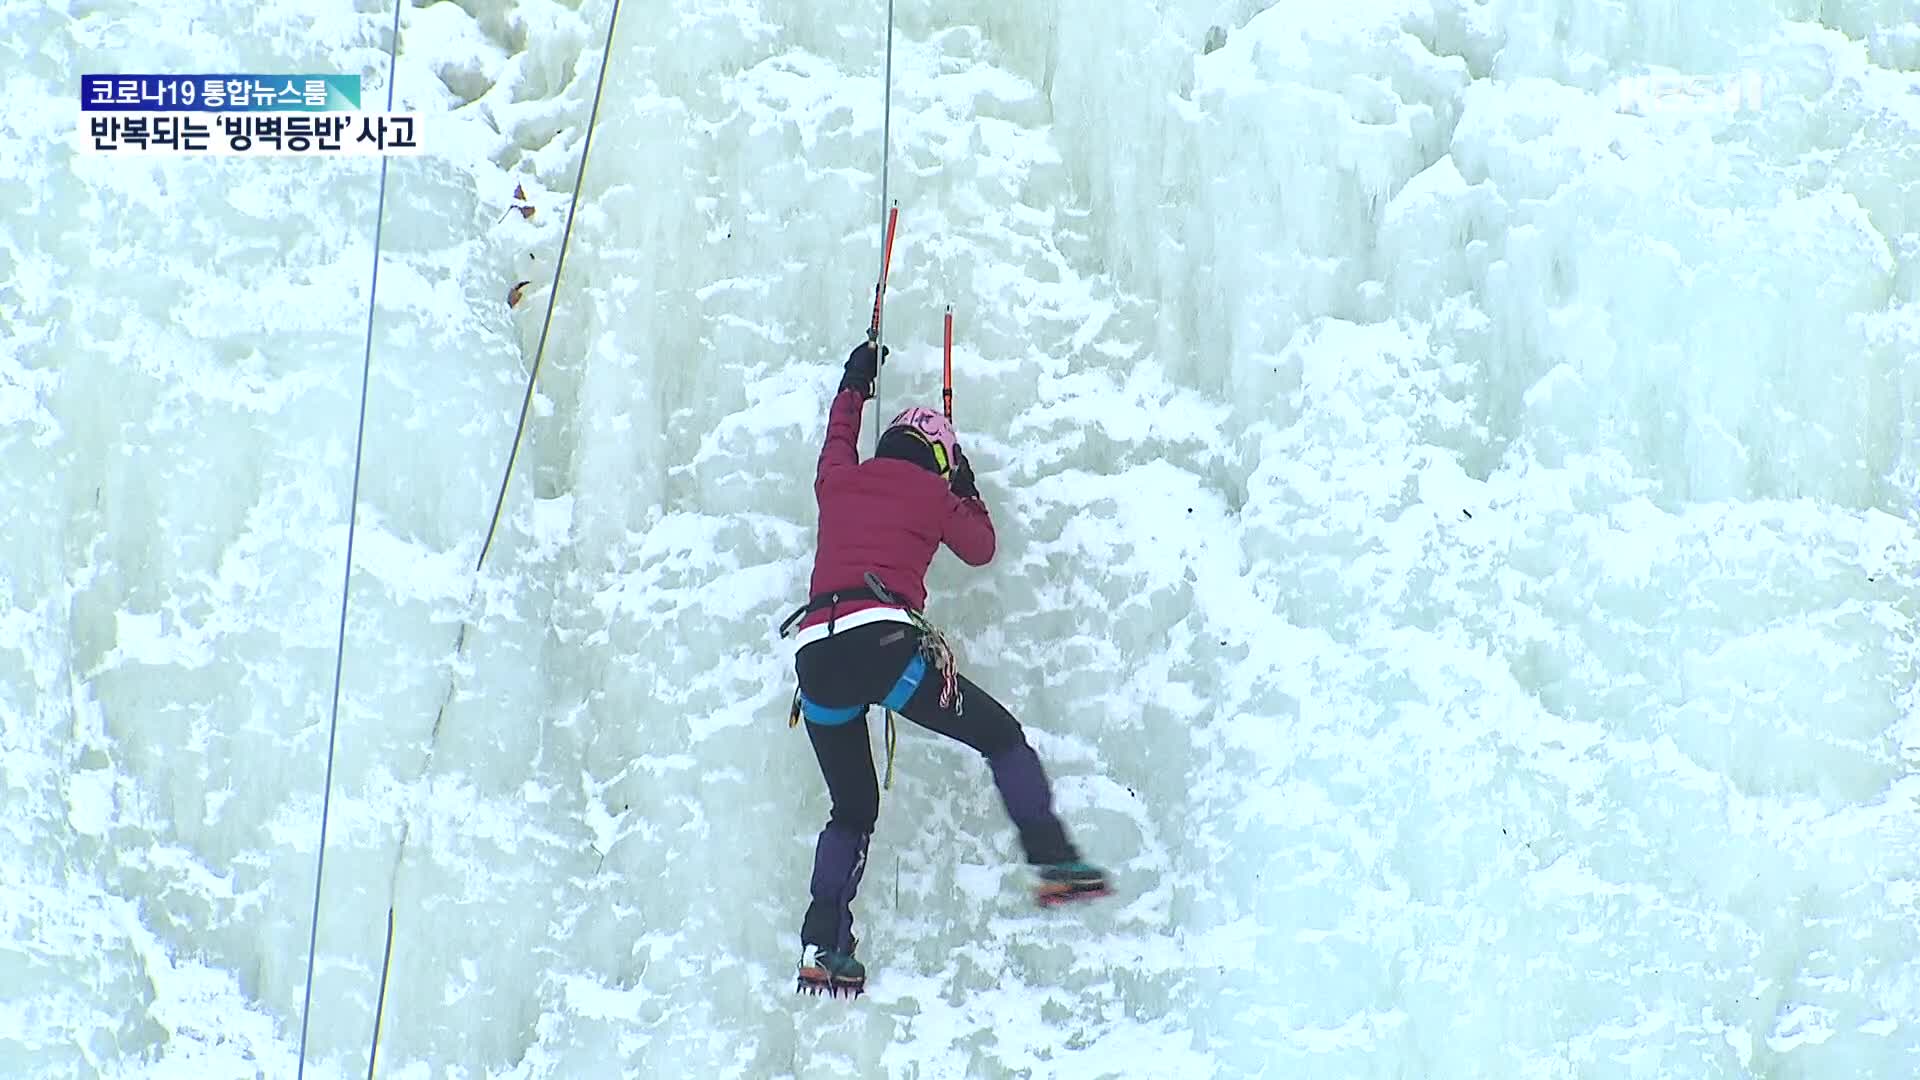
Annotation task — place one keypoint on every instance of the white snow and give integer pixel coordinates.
(1457, 543)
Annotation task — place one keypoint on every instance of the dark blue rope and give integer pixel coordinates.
(346, 584)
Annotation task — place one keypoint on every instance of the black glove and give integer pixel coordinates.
(862, 369)
(963, 484)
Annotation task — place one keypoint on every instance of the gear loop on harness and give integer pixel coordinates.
(831, 601)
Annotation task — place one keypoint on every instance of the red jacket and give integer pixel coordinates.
(884, 515)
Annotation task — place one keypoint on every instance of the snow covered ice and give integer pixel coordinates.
(1457, 557)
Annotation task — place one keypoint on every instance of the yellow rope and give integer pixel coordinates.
(890, 741)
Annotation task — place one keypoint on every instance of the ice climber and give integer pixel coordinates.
(863, 641)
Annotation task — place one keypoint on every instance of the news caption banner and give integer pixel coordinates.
(237, 115)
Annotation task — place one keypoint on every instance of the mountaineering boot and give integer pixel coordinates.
(831, 972)
(1066, 882)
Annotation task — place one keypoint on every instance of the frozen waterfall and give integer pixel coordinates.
(1457, 542)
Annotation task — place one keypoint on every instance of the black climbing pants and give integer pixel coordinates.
(859, 666)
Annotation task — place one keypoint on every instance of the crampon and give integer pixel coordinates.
(817, 981)
(835, 974)
(1068, 883)
(1056, 895)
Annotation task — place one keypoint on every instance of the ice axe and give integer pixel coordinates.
(946, 373)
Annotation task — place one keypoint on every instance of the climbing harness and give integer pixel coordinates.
(935, 653)
(830, 602)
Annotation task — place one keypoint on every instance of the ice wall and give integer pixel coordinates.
(1456, 548)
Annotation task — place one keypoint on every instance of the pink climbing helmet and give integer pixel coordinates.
(934, 429)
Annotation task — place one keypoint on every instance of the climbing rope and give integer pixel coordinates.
(353, 510)
(888, 218)
(553, 294)
(346, 584)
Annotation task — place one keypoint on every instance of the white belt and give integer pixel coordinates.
(847, 622)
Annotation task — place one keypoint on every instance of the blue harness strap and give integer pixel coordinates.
(902, 691)
(820, 714)
(908, 682)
